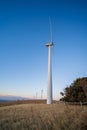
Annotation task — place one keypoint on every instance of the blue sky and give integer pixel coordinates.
(24, 31)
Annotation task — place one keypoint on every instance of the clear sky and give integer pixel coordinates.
(24, 31)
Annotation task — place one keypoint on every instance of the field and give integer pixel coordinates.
(43, 117)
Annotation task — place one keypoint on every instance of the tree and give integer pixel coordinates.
(76, 92)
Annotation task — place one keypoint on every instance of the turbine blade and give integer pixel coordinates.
(51, 38)
(52, 51)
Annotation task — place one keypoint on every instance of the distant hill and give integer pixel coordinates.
(1, 100)
(5, 98)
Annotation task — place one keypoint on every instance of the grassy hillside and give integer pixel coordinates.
(22, 102)
(43, 117)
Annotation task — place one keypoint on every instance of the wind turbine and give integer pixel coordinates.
(42, 94)
(50, 46)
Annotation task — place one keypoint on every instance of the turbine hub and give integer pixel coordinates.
(49, 44)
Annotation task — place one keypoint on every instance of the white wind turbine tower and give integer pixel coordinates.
(50, 46)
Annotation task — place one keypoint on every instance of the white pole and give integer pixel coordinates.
(49, 88)
(42, 94)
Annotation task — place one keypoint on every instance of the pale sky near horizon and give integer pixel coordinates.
(24, 31)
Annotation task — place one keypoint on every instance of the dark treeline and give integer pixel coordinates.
(76, 92)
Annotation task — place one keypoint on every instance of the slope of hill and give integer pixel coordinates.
(5, 98)
(43, 117)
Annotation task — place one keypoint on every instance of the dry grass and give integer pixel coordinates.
(43, 117)
(9, 103)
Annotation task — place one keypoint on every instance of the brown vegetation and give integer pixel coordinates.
(43, 117)
(22, 102)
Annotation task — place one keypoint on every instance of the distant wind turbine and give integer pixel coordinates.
(49, 86)
(42, 94)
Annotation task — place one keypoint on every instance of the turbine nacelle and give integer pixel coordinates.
(49, 44)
